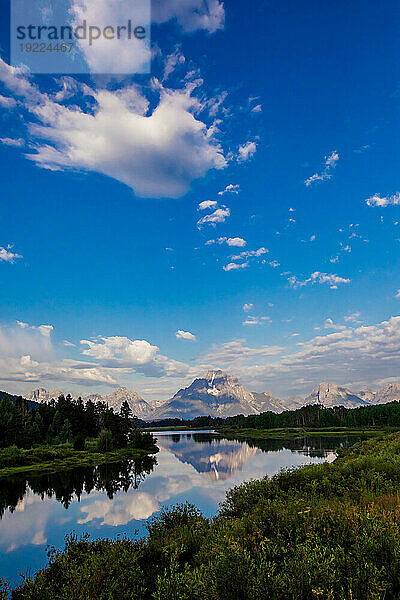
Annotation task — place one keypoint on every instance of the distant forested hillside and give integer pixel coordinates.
(31, 404)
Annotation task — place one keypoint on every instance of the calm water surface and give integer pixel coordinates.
(112, 500)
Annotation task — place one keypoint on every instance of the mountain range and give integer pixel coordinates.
(330, 394)
(215, 393)
(218, 394)
(139, 407)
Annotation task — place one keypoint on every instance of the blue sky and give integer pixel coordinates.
(103, 239)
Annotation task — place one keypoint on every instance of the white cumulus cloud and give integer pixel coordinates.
(185, 335)
(218, 216)
(115, 54)
(157, 152)
(206, 204)
(125, 55)
(236, 241)
(138, 355)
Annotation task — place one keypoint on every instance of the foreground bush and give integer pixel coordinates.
(328, 531)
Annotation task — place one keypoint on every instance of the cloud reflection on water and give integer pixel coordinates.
(197, 468)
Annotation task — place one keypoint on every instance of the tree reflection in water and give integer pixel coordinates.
(315, 446)
(66, 486)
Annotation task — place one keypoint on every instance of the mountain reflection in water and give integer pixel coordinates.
(220, 458)
(118, 499)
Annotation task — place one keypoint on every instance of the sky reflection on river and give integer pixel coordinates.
(193, 467)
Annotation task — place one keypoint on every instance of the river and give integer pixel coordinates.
(117, 499)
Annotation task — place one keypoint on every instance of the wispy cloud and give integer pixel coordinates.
(312, 238)
(383, 201)
(172, 61)
(6, 255)
(230, 189)
(246, 151)
(68, 344)
(245, 256)
(16, 142)
(247, 307)
(190, 15)
(274, 264)
(330, 164)
(353, 317)
(363, 149)
(250, 254)
(318, 278)
(235, 266)
(329, 324)
(256, 320)
(6, 102)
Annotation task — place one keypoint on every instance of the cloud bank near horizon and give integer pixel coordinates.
(349, 354)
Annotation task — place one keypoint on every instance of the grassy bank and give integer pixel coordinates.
(298, 432)
(50, 459)
(328, 531)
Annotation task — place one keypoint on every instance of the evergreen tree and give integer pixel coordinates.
(39, 424)
(66, 431)
(56, 426)
(79, 442)
(34, 434)
(125, 412)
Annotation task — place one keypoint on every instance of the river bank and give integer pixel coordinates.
(298, 432)
(51, 459)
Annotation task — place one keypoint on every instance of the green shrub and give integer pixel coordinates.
(105, 441)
